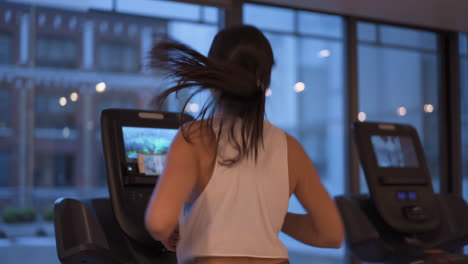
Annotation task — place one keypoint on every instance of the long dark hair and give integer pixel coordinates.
(237, 72)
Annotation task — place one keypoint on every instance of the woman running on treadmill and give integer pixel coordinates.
(223, 196)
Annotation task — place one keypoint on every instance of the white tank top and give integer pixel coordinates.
(242, 208)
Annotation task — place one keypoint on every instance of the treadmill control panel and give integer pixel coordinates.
(397, 175)
(135, 145)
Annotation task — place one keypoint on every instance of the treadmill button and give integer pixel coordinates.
(401, 196)
(415, 213)
(412, 196)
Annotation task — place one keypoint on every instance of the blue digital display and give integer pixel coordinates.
(394, 151)
(146, 140)
(148, 148)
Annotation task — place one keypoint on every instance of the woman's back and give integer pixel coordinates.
(240, 197)
(237, 210)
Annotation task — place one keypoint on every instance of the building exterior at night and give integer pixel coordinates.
(59, 69)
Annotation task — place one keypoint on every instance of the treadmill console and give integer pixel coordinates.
(135, 146)
(145, 150)
(393, 161)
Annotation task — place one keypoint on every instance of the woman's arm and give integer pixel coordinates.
(173, 189)
(322, 225)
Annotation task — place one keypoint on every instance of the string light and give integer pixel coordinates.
(299, 87)
(401, 111)
(428, 108)
(101, 87)
(74, 97)
(324, 53)
(362, 116)
(63, 101)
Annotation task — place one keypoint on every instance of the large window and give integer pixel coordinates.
(76, 58)
(306, 97)
(399, 83)
(6, 48)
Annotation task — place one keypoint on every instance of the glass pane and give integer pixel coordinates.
(162, 9)
(5, 108)
(400, 85)
(74, 5)
(104, 101)
(66, 73)
(53, 169)
(5, 168)
(464, 44)
(367, 32)
(197, 36)
(464, 110)
(306, 100)
(411, 38)
(268, 17)
(210, 14)
(6, 51)
(320, 24)
(54, 112)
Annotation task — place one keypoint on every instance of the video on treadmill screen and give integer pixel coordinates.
(148, 147)
(394, 151)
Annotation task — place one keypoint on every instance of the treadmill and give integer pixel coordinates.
(401, 220)
(111, 229)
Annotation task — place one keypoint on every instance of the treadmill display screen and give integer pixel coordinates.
(394, 151)
(148, 147)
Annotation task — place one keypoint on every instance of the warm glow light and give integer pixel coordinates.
(63, 101)
(324, 53)
(361, 116)
(268, 92)
(428, 108)
(101, 87)
(401, 111)
(193, 108)
(66, 132)
(299, 87)
(74, 97)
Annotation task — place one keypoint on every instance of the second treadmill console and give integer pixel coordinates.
(393, 161)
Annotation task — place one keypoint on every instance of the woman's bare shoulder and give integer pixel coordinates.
(198, 132)
(294, 147)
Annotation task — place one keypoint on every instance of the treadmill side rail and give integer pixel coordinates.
(81, 235)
